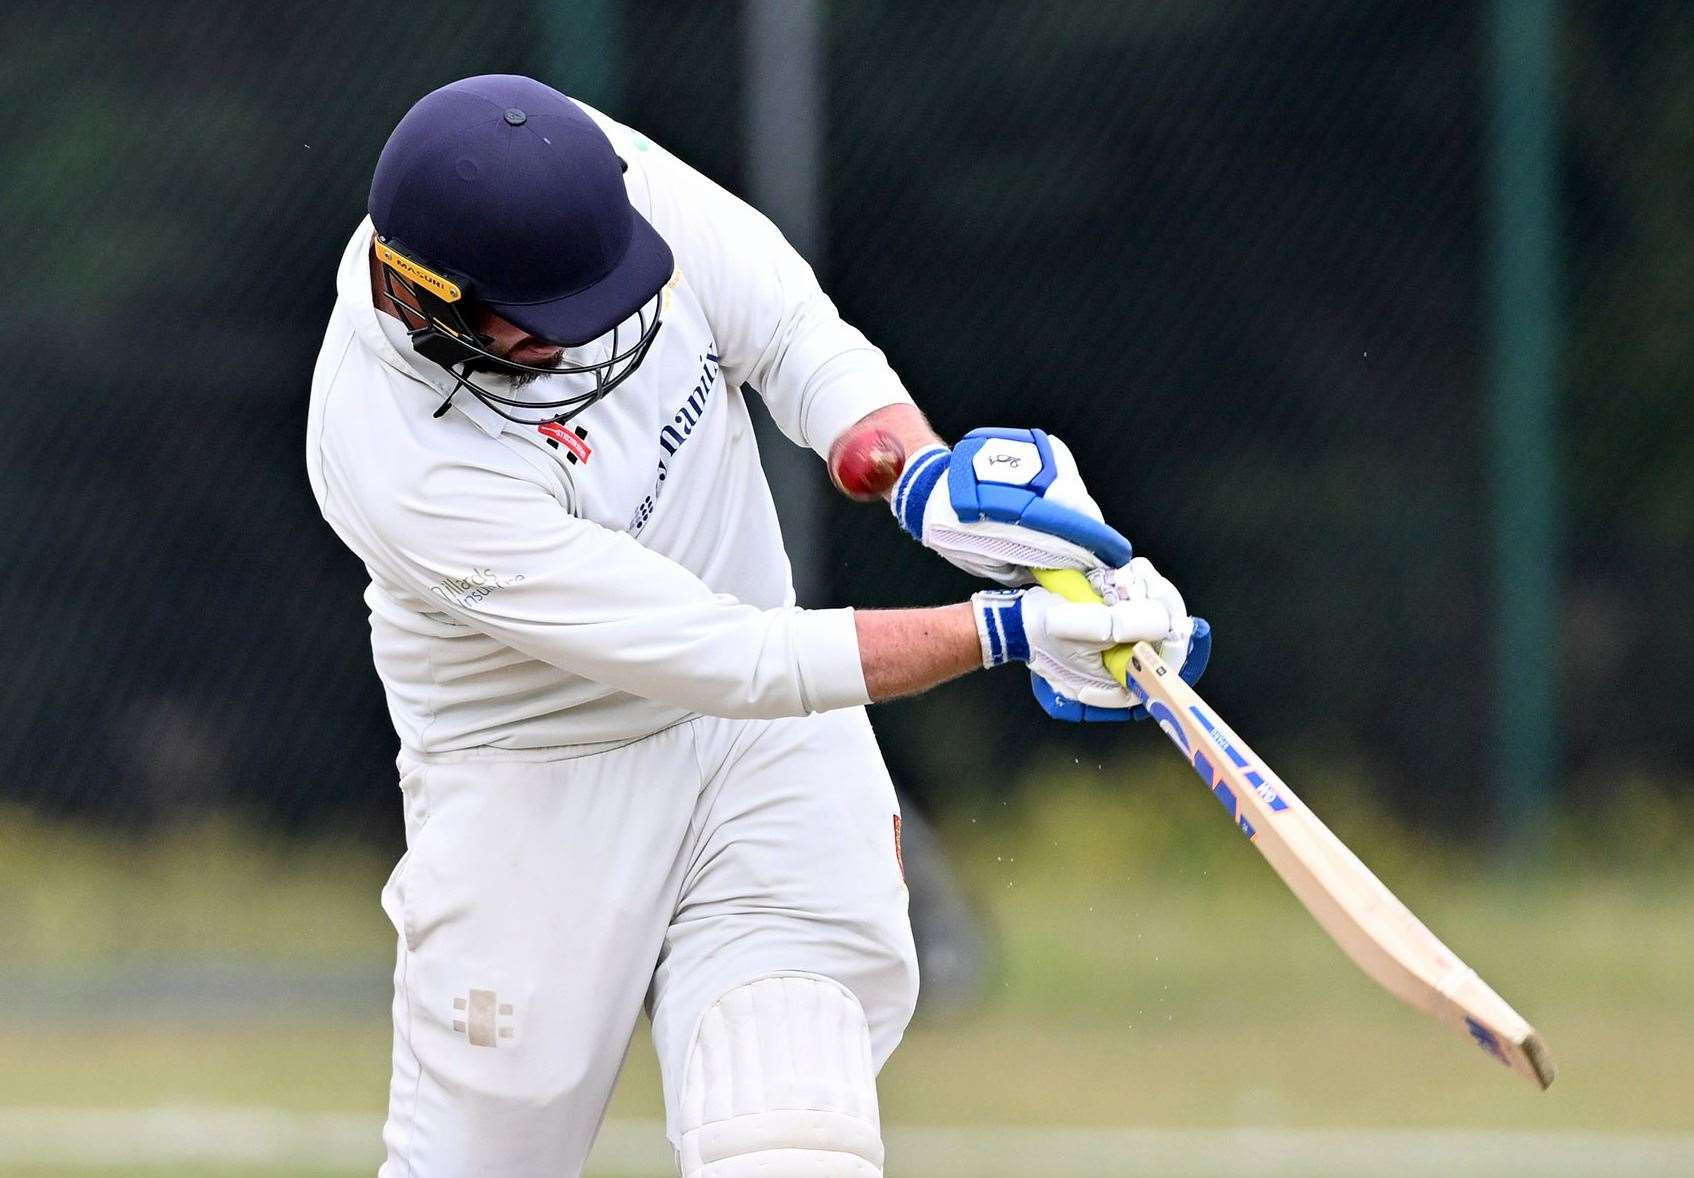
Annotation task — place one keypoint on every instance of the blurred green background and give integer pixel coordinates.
(1368, 321)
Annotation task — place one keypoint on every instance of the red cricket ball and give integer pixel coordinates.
(865, 462)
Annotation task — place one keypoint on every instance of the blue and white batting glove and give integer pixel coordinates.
(1186, 647)
(1004, 501)
(1067, 674)
(1063, 641)
(1063, 707)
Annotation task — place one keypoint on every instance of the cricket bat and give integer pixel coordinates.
(1369, 923)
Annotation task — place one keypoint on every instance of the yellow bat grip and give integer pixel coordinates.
(1073, 586)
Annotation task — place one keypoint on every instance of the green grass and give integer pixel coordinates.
(1152, 972)
(75, 898)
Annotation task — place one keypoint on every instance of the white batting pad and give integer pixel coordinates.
(779, 1084)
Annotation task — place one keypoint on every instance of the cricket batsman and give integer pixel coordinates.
(634, 773)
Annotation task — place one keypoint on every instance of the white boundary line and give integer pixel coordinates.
(128, 1138)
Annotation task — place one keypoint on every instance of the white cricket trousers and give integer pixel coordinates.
(546, 894)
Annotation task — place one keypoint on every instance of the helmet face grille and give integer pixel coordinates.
(440, 333)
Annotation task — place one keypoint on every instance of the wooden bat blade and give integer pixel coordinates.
(1356, 909)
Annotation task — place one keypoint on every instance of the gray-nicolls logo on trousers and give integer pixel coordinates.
(481, 1021)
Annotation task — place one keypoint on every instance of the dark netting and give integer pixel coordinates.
(1236, 254)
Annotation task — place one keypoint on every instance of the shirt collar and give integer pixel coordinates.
(386, 336)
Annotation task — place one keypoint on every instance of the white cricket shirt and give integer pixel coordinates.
(530, 591)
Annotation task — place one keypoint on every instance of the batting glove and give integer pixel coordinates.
(1062, 641)
(1004, 501)
(1185, 646)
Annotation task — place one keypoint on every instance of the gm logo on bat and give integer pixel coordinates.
(1174, 728)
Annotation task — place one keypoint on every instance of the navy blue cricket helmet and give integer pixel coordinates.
(501, 191)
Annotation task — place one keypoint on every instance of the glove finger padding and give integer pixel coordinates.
(1139, 582)
(1119, 624)
(1064, 641)
(1140, 593)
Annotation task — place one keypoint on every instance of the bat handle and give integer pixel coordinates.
(1073, 586)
